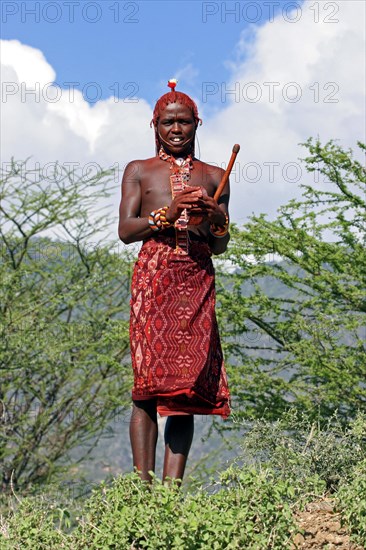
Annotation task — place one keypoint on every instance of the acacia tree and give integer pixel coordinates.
(293, 311)
(64, 327)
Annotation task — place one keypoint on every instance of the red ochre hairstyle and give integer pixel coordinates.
(163, 102)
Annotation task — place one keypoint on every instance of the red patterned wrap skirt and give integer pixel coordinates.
(175, 345)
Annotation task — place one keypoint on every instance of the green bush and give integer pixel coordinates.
(247, 510)
(250, 505)
(307, 452)
(351, 500)
(35, 524)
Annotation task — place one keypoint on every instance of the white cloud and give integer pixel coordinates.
(29, 64)
(324, 60)
(326, 63)
(58, 124)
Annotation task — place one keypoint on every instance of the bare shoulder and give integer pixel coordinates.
(140, 166)
(136, 169)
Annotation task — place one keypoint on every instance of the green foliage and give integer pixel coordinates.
(322, 453)
(249, 509)
(352, 503)
(250, 505)
(293, 311)
(35, 524)
(252, 513)
(64, 323)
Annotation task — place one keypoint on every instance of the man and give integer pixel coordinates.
(167, 202)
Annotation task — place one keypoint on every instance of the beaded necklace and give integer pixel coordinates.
(180, 174)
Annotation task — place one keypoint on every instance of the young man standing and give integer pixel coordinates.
(167, 202)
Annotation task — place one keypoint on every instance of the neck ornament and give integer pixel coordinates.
(180, 175)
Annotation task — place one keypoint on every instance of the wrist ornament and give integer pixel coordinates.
(220, 231)
(157, 219)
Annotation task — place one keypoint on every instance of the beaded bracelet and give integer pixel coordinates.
(220, 231)
(157, 219)
(152, 224)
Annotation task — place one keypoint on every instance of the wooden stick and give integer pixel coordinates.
(225, 177)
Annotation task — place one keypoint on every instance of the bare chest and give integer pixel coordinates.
(156, 188)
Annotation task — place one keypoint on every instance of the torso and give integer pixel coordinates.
(154, 175)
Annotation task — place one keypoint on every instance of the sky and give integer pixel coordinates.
(80, 79)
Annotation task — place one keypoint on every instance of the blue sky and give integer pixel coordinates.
(143, 42)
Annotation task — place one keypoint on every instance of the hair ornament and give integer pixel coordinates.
(172, 83)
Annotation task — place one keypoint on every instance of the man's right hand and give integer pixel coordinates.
(187, 199)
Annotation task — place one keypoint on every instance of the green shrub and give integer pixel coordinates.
(351, 499)
(284, 465)
(247, 510)
(35, 524)
(303, 451)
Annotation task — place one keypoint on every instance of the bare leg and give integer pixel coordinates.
(178, 438)
(143, 436)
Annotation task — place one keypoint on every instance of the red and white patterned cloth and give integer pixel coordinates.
(175, 345)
